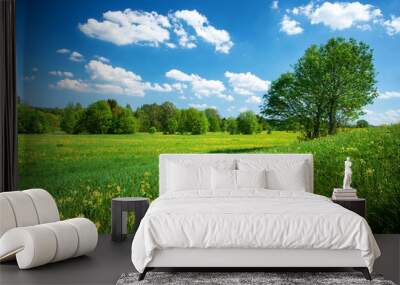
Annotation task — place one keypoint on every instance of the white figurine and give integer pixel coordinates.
(347, 174)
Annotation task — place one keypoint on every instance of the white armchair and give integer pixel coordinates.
(31, 230)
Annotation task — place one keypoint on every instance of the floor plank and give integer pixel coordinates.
(103, 266)
(111, 259)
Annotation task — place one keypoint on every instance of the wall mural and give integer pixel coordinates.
(106, 86)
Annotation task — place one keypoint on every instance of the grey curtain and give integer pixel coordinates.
(8, 100)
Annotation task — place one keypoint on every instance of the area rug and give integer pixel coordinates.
(268, 278)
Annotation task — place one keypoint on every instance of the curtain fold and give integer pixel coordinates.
(8, 98)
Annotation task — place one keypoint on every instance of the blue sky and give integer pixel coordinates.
(221, 54)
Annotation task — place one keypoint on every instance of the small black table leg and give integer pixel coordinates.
(142, 275)
(364, 271)
(116, 227)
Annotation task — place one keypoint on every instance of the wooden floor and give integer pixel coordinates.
(111, 259)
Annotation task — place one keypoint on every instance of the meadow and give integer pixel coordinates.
(84, 172)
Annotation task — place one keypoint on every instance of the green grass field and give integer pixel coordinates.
(376, 170)
(84, 172)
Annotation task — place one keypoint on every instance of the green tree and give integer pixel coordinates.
(153, 115)
(194, 121)
(329, 85)
(143, 120)
(80, 114)
(23, 112)
(247, 123)
(169, 115)
(152, 130)
(172, 126)
(200, 124)
(223, 125)
(123, 122)
(214, 120)
(285, 105)
(98, 117)
(69, 118)
(263, 123)
(53, 122)
(38, 123)
(182, 122)
(113, 106)
(231, 126)
(362, 124)
(349, 79)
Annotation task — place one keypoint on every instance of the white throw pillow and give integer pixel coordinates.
(281, 175)
(188, 177)
(291, 179)
(251, 178)
(223, 179)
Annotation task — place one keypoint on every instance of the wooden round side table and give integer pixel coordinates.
(119, 215)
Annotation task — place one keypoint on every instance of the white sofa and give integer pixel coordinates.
(31, 231)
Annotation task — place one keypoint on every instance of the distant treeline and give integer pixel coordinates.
(107, 117)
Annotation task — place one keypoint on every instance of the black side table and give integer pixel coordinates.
(357, 205)
(119, 215)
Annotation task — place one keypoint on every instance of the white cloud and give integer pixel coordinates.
(364, 27)
(128, 82)
(390, 116)
(201, 87)
(303, 10)
(106, 79)
(340, 15)
(185, 40)
(243, 109)
(150, 28)
(228, 98)
(100, 71)
(206, 88)
(202, 106)
(247, 83)
(63, 50)
(61, 73)
(179, 87)
(73, 85)
(179, 75)
(183, 97)
(102, 58)
(129, 27)
(389, 95)
(254, 100)
(219, 38)
(275, 5)
(290, 27)
(170, 45)
(392, 26)
(76, 56)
